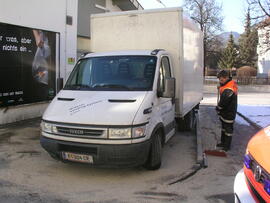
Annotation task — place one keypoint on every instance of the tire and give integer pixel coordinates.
(187, 124)
(155, 154)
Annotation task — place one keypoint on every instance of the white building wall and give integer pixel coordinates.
(71, 36)
(263, 51)
(47, 15)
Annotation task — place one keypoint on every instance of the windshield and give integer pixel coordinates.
(113, 73)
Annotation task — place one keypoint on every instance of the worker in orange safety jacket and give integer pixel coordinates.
(226, 108)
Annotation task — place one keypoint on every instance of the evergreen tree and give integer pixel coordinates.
(248, 44)
(228, 59)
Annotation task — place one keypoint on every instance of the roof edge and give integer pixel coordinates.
(135, 12)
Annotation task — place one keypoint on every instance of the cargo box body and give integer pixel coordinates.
(164, 29)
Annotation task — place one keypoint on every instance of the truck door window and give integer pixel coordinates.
(164, 72)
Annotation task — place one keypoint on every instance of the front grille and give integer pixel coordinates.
(79, 131)
(257, 195)
(264, 175)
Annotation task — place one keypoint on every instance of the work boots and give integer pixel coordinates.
(222, 143)
(227, 143)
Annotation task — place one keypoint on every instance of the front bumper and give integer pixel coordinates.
(241, 190)
(104, 155)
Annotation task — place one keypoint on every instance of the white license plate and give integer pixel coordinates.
(77, 157)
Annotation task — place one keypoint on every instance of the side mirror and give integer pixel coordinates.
(169, 89)
(60, 84)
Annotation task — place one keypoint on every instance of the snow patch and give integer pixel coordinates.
(259, 114)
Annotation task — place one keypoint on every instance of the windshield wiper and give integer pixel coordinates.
(111, 86)
(78, 86)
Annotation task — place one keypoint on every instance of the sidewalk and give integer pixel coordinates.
(258, 115)
(253, 107)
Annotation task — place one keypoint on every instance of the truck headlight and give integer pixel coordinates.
(119, 133)
(48, 127)
(127, 133)
(138, 131)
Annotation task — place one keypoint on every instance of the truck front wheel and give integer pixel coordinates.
(154, 159)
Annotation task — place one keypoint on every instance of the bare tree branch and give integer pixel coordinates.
(263, 9)
(257, 17)
(207, 14)
(259, 9)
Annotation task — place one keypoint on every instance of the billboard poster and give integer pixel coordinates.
(27, 65)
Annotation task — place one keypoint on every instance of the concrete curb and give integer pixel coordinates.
(255, 125)
(199, 141)
(201, 161)
(201, 158)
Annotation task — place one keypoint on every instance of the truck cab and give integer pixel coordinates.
(116, 108)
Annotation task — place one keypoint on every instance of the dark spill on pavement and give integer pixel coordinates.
(31, 152)
(4, 137)
(228, 198)
(164, 196)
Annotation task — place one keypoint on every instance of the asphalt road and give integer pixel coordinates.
(29, 174)
(215, 183)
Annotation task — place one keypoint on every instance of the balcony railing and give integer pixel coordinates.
(126, 5)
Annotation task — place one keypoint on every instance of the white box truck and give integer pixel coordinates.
(120, 103)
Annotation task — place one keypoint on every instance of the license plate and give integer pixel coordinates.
(77, 157)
